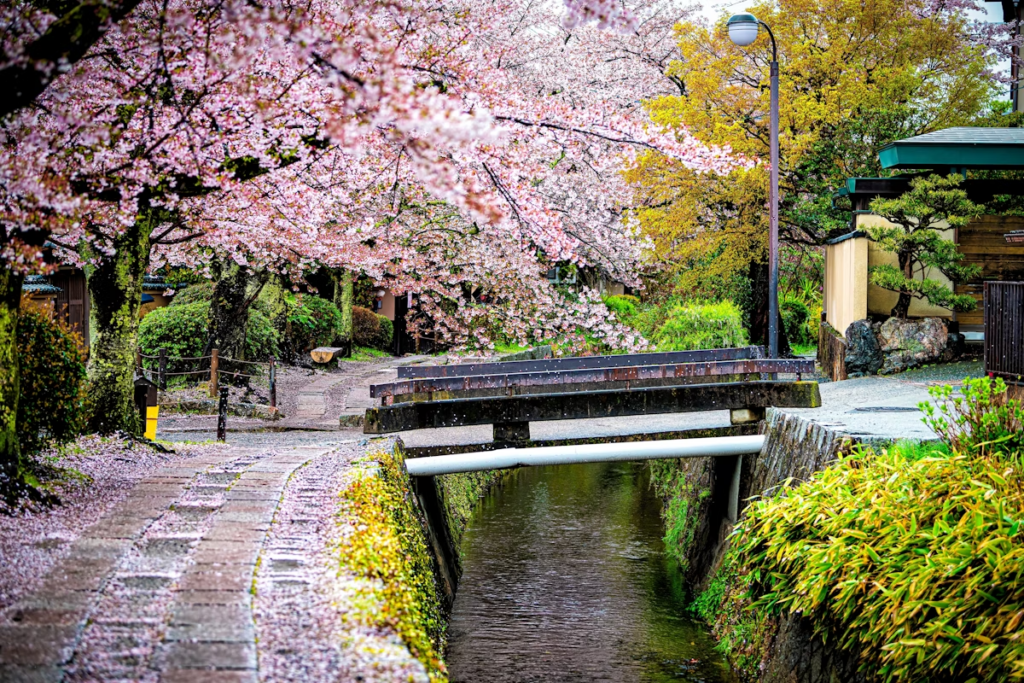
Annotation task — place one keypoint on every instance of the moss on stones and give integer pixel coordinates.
(389, 549)
(462, 493)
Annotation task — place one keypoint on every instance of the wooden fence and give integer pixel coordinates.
(213, 369)
(1004, 330)
(831, 352)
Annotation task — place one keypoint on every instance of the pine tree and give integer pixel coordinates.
(932, 204)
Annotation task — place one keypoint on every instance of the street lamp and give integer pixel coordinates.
(743, 30)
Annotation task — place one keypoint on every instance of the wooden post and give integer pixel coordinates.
(162, 372)
(273, 384)
(222, 415)
(214, 372)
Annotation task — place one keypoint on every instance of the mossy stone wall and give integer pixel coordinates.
(697, 530)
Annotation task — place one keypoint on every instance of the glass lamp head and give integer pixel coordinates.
(743, 29)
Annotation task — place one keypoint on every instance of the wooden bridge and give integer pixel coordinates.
(513, 394)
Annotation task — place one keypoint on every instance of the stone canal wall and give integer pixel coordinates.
(694, 492)
(403, 538)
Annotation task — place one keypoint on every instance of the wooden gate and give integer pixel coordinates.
(1004, 330)
(72, 301)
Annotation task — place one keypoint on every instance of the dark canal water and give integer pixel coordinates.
(566, 579)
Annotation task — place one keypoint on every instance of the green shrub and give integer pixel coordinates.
(794, 318)
(365, 327)
(51, 402)
(624, 307)
(313, 321)
(261, 339)
(702, 326)
(183, 330)
(387, 333)
(200, 291)
(911, 560)
(980, 420)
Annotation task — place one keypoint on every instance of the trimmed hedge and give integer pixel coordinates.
(200, 291)
(313, 322)
(696, 326)
(365, 327)
(51, 401)
(387, 333)
(182, 330)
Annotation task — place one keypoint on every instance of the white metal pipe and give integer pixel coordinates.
(566, 455)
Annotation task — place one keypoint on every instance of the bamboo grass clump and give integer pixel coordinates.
(913, 557)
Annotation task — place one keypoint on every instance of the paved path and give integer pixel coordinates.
(160, 588)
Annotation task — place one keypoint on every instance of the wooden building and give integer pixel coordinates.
(986, 241)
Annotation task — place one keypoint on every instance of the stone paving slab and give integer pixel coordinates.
(161, 587)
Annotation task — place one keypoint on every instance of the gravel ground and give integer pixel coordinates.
(99, 473)
(945, 373)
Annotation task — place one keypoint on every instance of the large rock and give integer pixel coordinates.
(863, 354)
(910, 343)
(956, 344)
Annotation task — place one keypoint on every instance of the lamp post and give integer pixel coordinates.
(743, 30)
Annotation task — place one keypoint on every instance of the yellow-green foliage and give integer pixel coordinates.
(916, 564)
(622, 305)
(702, 326)
(51, 402)
(390, 548)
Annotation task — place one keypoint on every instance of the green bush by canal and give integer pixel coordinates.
(910, 558)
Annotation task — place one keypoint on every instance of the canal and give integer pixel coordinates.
(566, 580)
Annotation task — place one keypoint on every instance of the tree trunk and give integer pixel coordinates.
(115, 291)
(11, 463)
(229, 311)
(902, 308)
(344, 290)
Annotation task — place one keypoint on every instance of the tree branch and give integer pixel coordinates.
(65, 42)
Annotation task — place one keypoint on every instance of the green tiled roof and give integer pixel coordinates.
(38, 284)
(957, 148)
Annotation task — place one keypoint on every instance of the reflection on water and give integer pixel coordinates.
(566, 579)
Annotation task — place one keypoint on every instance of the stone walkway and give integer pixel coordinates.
(316, 400)
(160, 588)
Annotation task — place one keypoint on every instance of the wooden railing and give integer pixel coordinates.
(218, 372)
(512, 394)
(1004, 330)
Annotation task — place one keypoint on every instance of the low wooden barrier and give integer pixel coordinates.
(831, 352)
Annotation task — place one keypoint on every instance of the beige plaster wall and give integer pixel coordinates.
(159, 301)
(881, 301)
(846, 291)
(387, 307)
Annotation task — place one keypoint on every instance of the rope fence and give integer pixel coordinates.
(214, 371)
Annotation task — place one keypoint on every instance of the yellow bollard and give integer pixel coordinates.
(146, 401)
(152, 412)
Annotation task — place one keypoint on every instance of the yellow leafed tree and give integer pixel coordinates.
(855, 75)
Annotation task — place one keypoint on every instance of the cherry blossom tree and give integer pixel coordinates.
(282, 135)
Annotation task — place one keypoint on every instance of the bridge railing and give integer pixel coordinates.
(511, 395)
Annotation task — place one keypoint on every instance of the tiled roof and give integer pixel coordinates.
(957, 149)
(38, 284)
(969, 136)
